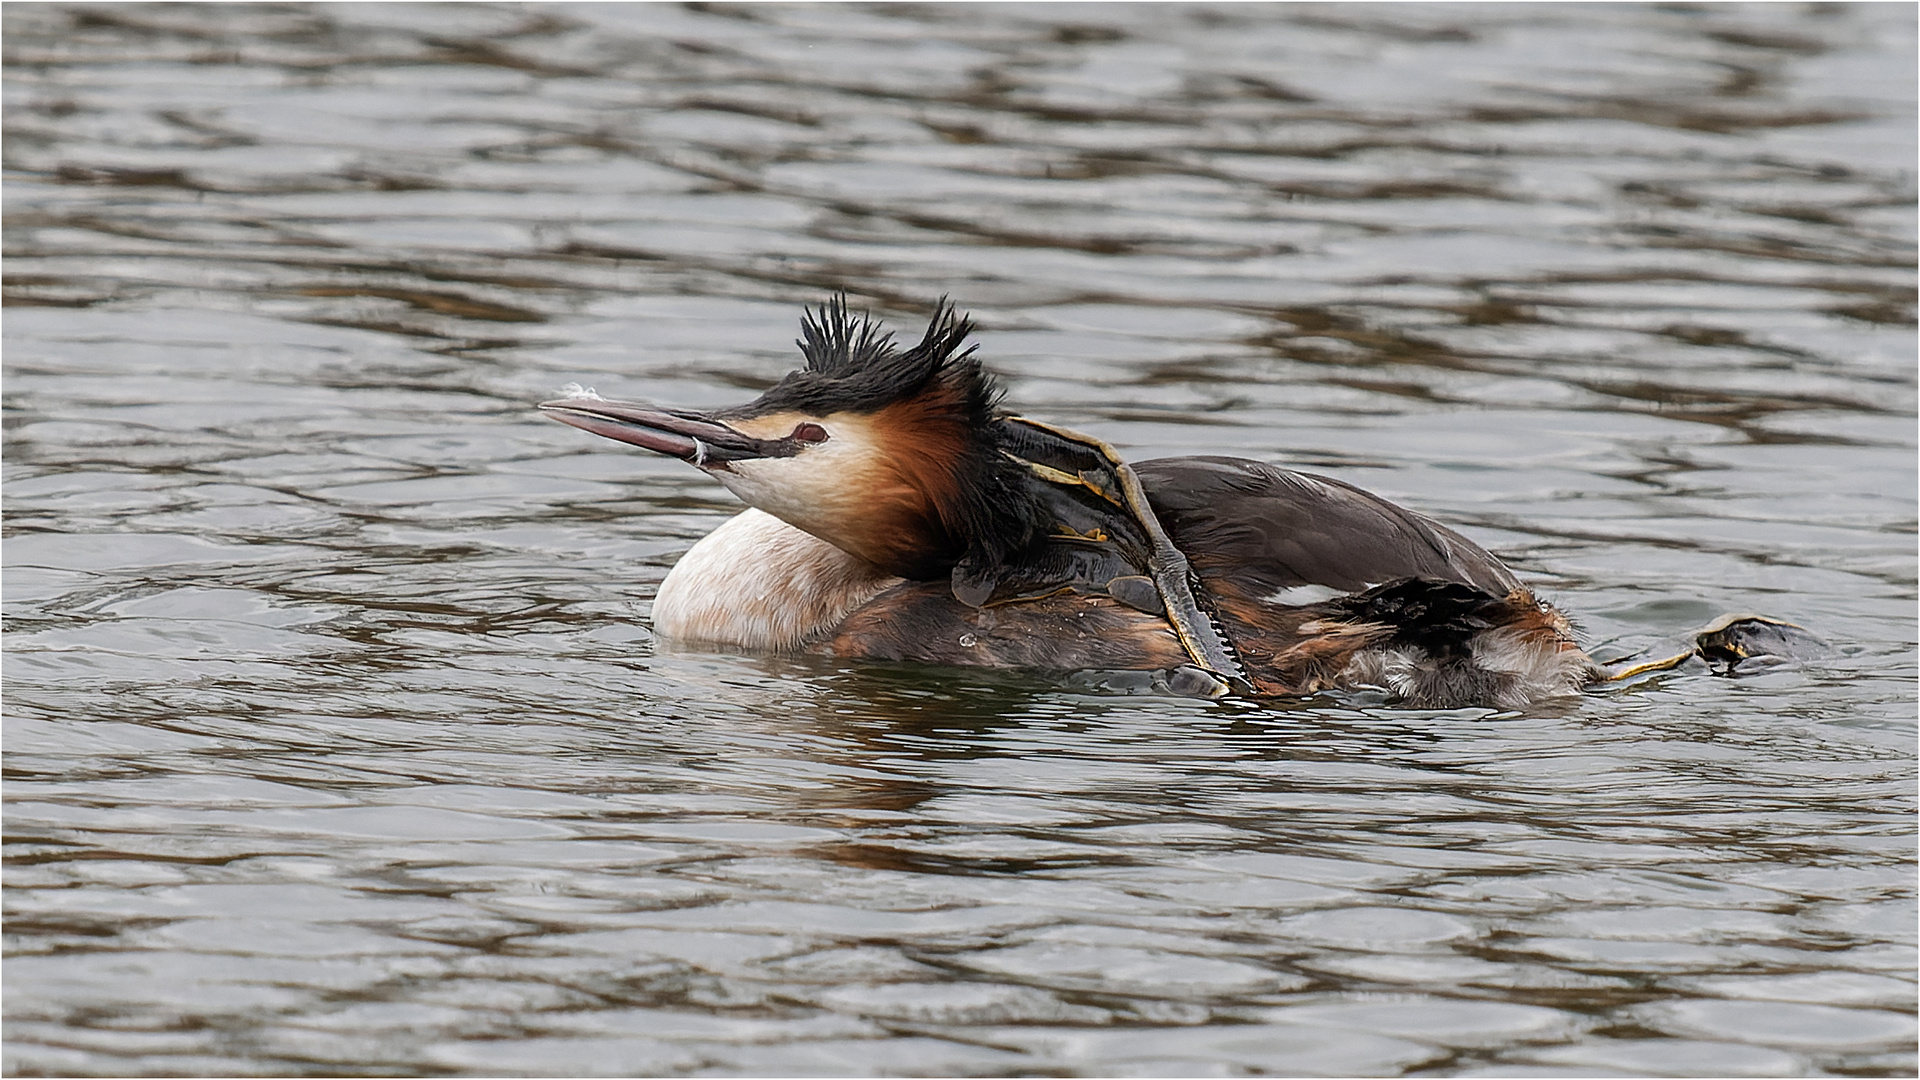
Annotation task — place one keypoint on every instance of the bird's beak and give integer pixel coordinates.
(690, 436)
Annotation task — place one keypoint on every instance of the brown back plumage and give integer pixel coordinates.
(1267, 529)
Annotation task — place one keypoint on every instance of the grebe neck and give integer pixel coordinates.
(758, 583)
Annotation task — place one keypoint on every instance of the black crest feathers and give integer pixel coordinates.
(838, 344)
(853, 365)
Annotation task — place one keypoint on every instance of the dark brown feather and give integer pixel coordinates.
(1288, 649)
(1268, 529)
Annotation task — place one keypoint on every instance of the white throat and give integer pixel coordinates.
(757, 582)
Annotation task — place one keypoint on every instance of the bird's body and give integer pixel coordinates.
(1448, 625)
(899, 514)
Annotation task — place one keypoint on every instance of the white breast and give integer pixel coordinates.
(757, 582)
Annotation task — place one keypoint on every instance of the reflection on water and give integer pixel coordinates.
(337, 741)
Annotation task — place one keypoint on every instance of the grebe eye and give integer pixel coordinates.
(809, 433)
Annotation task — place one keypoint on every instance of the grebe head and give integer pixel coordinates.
(882, 452)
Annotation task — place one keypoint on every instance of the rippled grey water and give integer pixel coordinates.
(337, 742)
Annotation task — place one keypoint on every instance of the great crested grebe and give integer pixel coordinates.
(896, 512)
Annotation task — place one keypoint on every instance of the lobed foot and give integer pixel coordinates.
(1731, 639)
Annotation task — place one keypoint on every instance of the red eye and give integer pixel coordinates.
(810, 433)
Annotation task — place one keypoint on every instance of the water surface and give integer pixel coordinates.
(337, 741)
